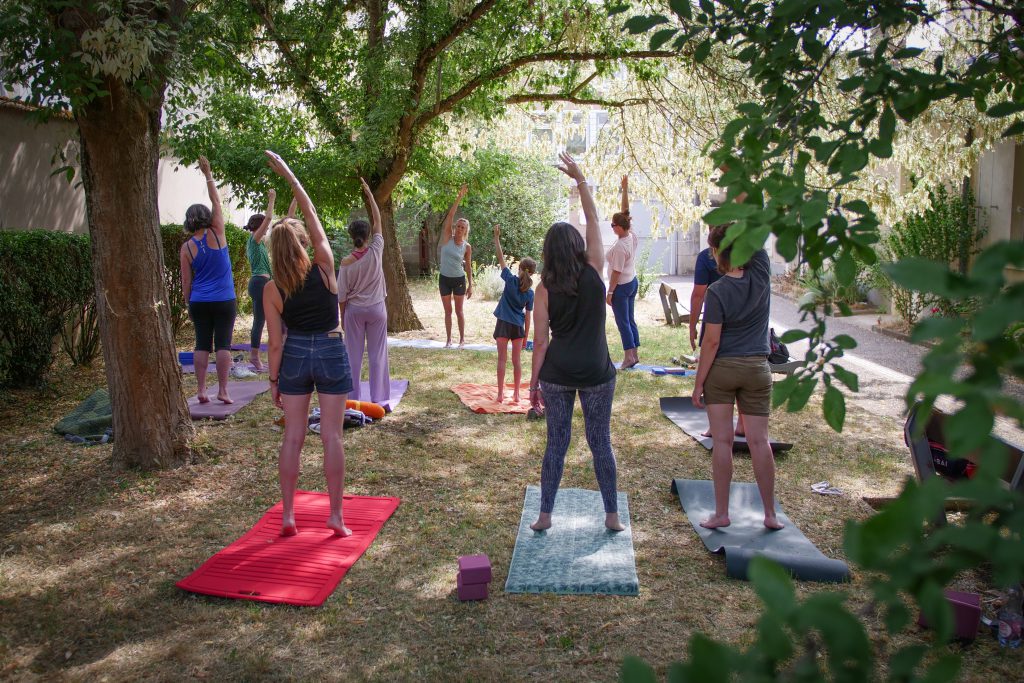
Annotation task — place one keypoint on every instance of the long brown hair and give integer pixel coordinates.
(288, 251)
(722, 256)
(527, 267)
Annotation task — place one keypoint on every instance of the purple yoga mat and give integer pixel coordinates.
(246, 347)
(398, 389)
(242, 392)
(190, 369)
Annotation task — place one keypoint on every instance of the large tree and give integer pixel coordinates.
(369, 89)
(108, 62)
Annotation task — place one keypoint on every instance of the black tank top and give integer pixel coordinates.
(578, 355)
(312, 308)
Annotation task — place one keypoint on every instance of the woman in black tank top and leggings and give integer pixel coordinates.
(570, 303)
(304, 296)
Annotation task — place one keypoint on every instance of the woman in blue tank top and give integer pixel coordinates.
(209, 287)
(456, 258)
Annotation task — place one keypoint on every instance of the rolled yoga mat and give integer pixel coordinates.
(480, 398)
(297, 570)
(577, 555)
(746, 537)
(434, 344)
(242, 393)
(694, 421)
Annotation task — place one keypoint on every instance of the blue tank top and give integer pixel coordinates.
(452, 258)
(211, 272)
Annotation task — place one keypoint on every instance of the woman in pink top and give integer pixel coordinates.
(622, 281)
(361, 294)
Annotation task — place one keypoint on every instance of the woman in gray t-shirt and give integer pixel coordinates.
(455, 283)
(733, 368)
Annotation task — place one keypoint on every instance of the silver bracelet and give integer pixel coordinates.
(582, 182)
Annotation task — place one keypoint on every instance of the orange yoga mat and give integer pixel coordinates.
(297, 570)
(480, 398)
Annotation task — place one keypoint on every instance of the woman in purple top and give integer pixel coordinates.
(209, 287)
(361, 294)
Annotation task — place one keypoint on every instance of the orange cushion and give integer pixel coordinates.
(373, 411)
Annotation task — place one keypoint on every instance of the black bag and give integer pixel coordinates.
(779, 353)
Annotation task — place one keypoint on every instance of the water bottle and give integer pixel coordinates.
(1010, 619)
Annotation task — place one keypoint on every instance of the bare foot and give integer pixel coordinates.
(288, 527)
(256, 363)
(223, 397)
(543, 522)
(773, 523)
(707, 433)
(515, 397)
(448, 344)
(626, 365)
(611, 520)
(339, 527)
(501, 397)
(462, 344)
(715, 522)
(740, 432)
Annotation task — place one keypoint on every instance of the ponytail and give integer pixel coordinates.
(527, 267)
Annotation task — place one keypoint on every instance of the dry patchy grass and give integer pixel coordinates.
(89, 553)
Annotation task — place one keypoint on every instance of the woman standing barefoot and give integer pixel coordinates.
(570, 303)
(304, 295)
(456, 280)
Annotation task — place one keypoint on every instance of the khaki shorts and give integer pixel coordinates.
(745, 380)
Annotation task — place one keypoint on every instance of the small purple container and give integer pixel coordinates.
(471, 591)
(475, 569)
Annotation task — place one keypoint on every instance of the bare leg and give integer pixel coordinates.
(223, 366)
(459, 301)
(296, 412)
(502, 359)
(720, 416)
(741, 430)
(764, 466)
(254, 358)
(446, 302)
(517, 367)
(332, 411)
(202, 362)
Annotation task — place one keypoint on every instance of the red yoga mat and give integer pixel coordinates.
(296, 570)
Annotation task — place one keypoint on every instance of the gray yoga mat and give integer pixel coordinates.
(434, 344)
(398, 389)
(746, 537)
(242, 393)
(694, 421)
(659, 370)
(577, 555)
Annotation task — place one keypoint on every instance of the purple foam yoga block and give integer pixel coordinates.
(966, 614)
(471, 591)
(475, 569)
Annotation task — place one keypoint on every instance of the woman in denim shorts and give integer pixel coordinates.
(304, 296)
(733, 368)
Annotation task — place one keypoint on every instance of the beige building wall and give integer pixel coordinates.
(32, 197)
(998, 184)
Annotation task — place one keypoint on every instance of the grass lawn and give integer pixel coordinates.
(89, 553)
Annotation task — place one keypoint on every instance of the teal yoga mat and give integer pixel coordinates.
(577, 555)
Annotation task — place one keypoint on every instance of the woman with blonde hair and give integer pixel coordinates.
(456, 258)
(304, 296)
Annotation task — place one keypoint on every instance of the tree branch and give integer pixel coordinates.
(569, 97)
(474, 83)
(430, 53)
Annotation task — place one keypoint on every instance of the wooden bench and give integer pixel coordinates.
(670, 305)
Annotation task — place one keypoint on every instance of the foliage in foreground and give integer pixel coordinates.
(768, 149)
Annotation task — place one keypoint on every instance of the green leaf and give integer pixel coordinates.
(801, 394)
(773, 585)
(992, 321)
(834, 408)
(782, 390)
(730, 212)
(846, 269)
(897, 616)
(945, 670)
(682, 8)
(662, 36)
(846, 377)
(887, 125)
(636, 670)
(968, 428)
(642, 24)
(701, 53)
(790, 336)
(1014, 129)
(845, 341)
(812, 213)
(921, 275)
(936, 609)
(998, 111)
(905, 661)
(857, 206)
(907, 52)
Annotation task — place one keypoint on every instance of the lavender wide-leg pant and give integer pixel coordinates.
(366, 327)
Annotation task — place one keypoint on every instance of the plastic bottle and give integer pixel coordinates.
(1010, 619)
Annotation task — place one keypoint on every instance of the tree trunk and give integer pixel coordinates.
(120, 153)
(401, 315)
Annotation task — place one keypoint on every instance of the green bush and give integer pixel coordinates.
(173, 236)
(45, 278)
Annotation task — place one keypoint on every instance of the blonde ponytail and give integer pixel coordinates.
(288, 251)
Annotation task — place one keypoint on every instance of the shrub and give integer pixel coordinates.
(645, 274)
(45, 278)
(822, 288)
(173, 236)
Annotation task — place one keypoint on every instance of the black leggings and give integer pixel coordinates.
(214, 322)
(256, 285)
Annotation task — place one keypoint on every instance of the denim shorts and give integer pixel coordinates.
(317, 361)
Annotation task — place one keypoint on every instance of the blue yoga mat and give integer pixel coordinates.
(577, 555)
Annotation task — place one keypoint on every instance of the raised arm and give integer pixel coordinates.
(268, 218)
(371, 203)
(322, 254)
(625, 194)
(595, 249)
(446, 228)
(293, 207)
(217, 213)
(497, 247)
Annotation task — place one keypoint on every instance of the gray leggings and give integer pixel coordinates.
(559, 402)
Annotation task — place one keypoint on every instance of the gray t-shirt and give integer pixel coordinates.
(741, 306)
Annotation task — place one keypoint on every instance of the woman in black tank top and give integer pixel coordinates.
(304, 296)
(570, 305)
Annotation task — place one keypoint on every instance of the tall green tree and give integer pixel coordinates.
(350, 89)
(109, 62)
